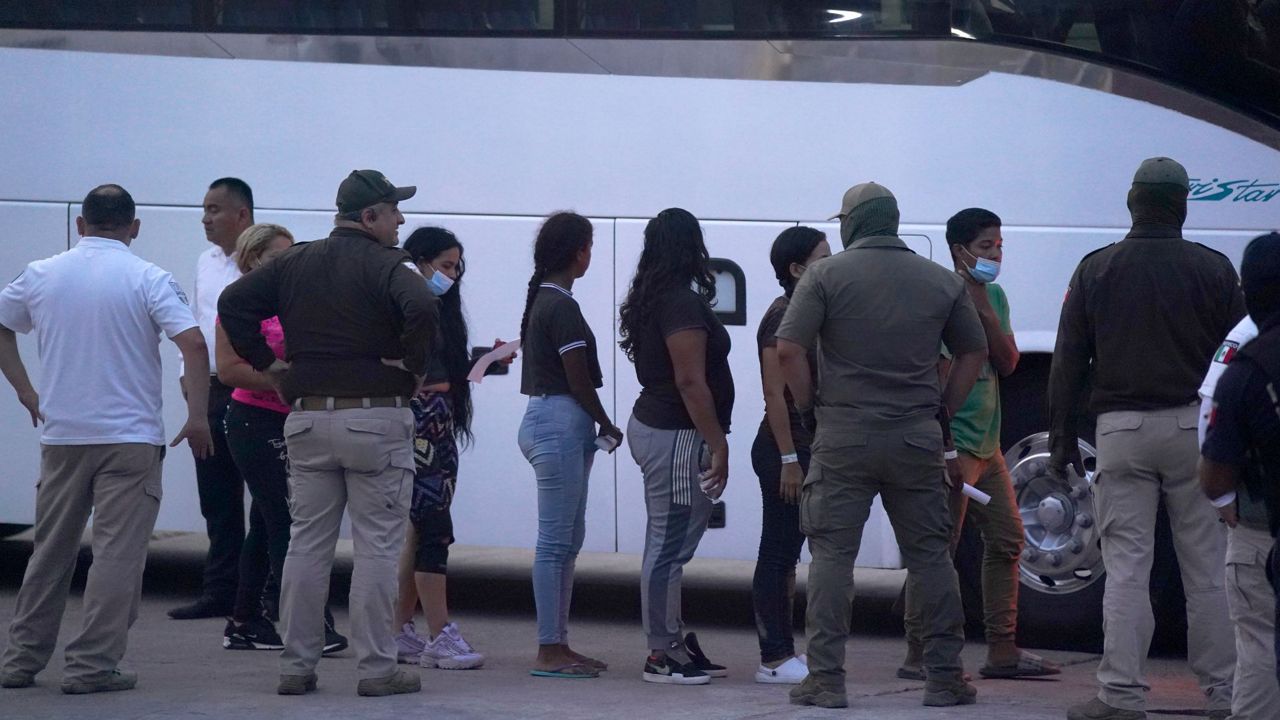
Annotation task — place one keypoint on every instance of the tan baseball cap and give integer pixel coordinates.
(1162, 170)
(858, 194)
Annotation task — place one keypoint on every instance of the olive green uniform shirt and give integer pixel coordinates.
(881, 312)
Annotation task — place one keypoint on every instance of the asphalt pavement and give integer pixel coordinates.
(185, 673)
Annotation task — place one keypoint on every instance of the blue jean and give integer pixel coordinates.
(557, 437)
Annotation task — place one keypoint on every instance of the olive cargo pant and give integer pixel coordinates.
(855, 459)
(361, 461)
(1144, 456)
(120, 485)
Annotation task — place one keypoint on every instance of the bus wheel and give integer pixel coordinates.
(1061, 571)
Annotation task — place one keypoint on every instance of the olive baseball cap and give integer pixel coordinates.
(858, 194)
(363, 188)
(1163, 171)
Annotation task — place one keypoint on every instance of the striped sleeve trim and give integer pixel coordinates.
(573, 346)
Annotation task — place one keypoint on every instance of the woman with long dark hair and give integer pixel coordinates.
(442, 418)
(780, 458)
(559, 434)
(678, 427)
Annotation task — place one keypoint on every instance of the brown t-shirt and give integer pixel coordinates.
(881, 312)
(767, 337)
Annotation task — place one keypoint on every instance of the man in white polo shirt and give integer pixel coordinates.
(98, 311)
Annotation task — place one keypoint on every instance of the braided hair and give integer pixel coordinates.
(674, 257)
(562, 236)
(425, 245)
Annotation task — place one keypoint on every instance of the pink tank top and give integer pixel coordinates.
(266, 399)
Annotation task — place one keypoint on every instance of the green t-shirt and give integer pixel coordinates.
(976, 428)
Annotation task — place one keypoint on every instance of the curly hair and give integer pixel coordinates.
(674, 257)
(562, 236)
(424, 245)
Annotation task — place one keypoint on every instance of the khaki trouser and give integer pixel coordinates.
(853, 461)
(1144, 456)
(359, 460)
(1256, 694)
(120, 485)
(1000, 524)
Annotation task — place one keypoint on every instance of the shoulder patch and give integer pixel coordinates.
(177, 290)
(412, 267)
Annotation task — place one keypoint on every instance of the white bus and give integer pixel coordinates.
(752, 115)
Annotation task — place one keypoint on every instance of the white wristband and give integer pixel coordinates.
(950, 455)
(790, 458)
(1225, 500)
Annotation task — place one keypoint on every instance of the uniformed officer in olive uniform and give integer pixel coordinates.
(1145, 316)
(882, 313)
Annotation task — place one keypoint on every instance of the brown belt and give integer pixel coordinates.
(314, 403)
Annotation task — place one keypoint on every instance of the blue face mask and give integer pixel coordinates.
(439, 283)
(984, 270)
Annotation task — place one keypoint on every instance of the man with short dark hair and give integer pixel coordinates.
(1142, 317)
(360, 321)
(1240, 472)
(977, 247)
(228, 211)
(98, 310)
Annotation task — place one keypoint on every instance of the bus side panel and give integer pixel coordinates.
(32, 231)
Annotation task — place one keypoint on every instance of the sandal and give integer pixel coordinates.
(1029, 665)
(572, 670)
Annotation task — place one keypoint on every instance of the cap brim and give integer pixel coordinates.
(404, 193)
(835, 217)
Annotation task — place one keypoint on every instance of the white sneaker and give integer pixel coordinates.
(791, 672)
(409, 644)
(449, 651)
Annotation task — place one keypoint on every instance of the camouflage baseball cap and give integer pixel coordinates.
(1162, 170)
(363, 188)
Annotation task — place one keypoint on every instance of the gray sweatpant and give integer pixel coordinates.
(120, 485)
(670, 461)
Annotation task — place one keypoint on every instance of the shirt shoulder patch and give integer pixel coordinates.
(177, 290)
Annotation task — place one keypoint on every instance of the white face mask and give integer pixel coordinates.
(439, 283)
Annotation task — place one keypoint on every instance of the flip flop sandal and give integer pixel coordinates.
(594, 664)
(1029, 665)
(564, 671)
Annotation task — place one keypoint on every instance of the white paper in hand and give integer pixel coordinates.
(502, 352)
(975, 494)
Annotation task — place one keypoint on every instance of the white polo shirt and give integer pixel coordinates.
(98, 311)
(215, 270)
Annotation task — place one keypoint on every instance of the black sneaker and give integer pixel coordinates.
(700, 659)
(256, 634)
(334, 642)
(671, 672)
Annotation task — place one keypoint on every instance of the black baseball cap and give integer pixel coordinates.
(363, 188)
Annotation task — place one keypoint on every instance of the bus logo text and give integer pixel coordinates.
(1233, 190)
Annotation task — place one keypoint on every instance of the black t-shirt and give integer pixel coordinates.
(767, 337)
(660, 405)
(556, 326)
